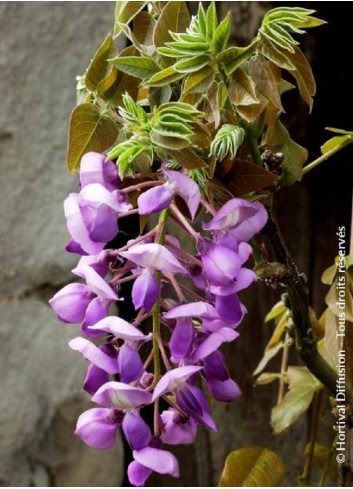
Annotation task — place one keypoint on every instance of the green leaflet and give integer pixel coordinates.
(221, 36)
(233, 57)
(128, 151)
(137, 66)
(125, 12)
(227, 141)
(252, 467)
(192, 64)
(132, 113)
(302, 387)
(277, 139)
(164, 77)
(99, 67)
(175, 17)
(91, 129)
(280, 23)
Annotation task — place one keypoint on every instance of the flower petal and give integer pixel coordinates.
(231, 214)
(96, 310)
(98, 285)
(223, 391)
(192, 400)
(192, 309)
(123, 396)
(229, 308)
(95, 169)
(94, 355)
(157, 460)
(138, 474)
(155, 200)
(174, 379)
(130, 364)
(213, 342)
(155, 257)
(136, 431)
(145, 291)
(73, 247)
(177, 431)
(77, 226)
(120, 329)
(95, 378)
(182, 339)
(99, 195)
(221, 264)
(186, 188)
(97, 428)
(104, 226)
(71, 303)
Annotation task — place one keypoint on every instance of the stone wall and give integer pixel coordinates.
(44, 45)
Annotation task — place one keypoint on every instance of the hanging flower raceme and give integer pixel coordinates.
(187, 307)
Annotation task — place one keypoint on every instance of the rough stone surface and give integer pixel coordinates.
(40, 402)
(44, 46)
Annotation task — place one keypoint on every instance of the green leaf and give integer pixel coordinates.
(200, 81)
(302, 387)
(304, 76)
(189, 65)
(277, 139)
(99, 67)
(252, 467)
(164, 140)
(242, 90)
(137, 66)
(265, 81)
(268, 355)
(336, 143)
(297, 65)
(159, 95)
(270, 51)
(175, 17)
(144, 50)
(125, 12)
(211, 21)
(143, 28)
(233, 57)
(227, 141)
(280, 23)
(278, 331)
(221, 36)
(246, 177)
(116, 84)
(128, 152)
(339, 131)
(164, 77)
(90, 130)
(325, 458)
(188, 159)
(267, 378)
(277, 310)
(329, 275)
(132, 112)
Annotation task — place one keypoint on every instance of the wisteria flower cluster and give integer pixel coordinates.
(186, 305)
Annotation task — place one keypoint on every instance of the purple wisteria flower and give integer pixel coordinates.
(85, 303)
(92, 214)
(198, 310)
(149, 258)
(158, 198)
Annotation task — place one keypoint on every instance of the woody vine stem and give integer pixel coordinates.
(305, 340)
